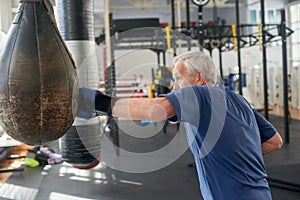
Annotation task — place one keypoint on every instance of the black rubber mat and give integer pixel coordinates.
(283, 166)
(175, 182)
(63, 182)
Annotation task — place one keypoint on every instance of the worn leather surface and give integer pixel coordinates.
(37, 78)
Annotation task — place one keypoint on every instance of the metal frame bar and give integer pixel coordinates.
(225, 38)
(264, 57)
(285, 75)
(238, 45)
(110, 88)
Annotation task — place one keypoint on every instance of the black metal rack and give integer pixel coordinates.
(220, 37)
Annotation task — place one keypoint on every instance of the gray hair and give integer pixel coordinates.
(198, 61)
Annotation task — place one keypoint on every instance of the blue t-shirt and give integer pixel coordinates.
(225, 136)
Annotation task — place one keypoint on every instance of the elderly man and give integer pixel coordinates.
(226, 136)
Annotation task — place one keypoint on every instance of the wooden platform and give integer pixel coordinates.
(279, 111)
(20, 150)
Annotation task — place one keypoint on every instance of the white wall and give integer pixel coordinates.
(229, 14)
(6, 15)
(271, 4)
(5, 19)
(2, 38)
(2, 34)
(165, 14)
(251, 61)
(295, 82)
(129, 62)
(137, 61)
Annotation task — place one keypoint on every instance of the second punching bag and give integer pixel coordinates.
(37, 77)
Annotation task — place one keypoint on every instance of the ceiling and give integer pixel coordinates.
(116, 5)
(151, 8)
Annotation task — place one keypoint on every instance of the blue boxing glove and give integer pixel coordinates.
(92, 103)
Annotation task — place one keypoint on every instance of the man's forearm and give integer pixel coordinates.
(267, 148)
(157, 109)
(272, 144)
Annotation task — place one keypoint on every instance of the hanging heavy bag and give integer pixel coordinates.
(37, 77)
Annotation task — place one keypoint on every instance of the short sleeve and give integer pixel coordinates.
(266, 129)
(186, 103)
(176, 105)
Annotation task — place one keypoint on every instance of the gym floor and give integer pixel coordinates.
(177, 181)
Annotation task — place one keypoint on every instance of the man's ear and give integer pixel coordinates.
(200, 78)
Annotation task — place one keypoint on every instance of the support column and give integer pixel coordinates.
(238, 46)
(200, 27)
(264, 57)
(188, 23)
(285, 78)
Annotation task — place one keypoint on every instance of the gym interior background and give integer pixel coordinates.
(126, 48)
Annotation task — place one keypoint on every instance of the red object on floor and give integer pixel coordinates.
(89, 166)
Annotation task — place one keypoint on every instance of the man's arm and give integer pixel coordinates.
(274, 143)
(271, 139)
(156, 109)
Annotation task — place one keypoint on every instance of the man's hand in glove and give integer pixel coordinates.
(92, 103)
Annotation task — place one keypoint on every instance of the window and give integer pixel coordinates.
(294, 24)
(270, 18)
(253, 19)
(278, 16)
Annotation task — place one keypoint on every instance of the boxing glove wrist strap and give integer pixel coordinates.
(104, 103)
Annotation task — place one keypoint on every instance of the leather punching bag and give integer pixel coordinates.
(37, 77)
